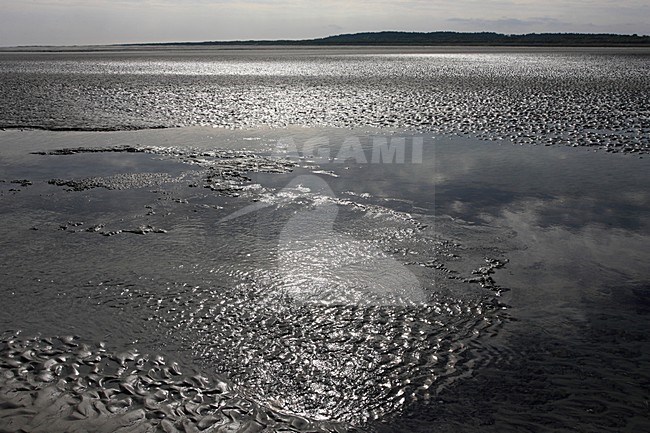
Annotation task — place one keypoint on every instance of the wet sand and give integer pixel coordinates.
(594, 97)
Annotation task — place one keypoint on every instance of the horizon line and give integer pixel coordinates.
(323, 41)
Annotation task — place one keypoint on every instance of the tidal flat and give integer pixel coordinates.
(287, 262)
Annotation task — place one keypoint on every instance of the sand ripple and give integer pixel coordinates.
(572, 98)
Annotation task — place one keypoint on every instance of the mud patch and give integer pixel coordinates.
(60, 384)
(222, 171)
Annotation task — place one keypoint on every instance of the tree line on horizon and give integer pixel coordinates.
(449, 38)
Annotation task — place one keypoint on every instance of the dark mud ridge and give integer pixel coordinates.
(76, 150)
(99, 228)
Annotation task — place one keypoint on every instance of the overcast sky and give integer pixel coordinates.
(69, 22)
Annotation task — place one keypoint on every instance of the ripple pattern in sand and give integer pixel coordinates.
(60, 385)
(571, 98)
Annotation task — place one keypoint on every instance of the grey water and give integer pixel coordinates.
(217, 279)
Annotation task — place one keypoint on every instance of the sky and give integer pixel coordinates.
(82, 22)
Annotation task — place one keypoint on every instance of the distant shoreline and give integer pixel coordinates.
(398, 39)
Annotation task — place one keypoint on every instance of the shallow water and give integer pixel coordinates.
(481, 287)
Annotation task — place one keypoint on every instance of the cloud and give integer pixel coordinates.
(510, 25)
(118, 21)
(335, 27)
